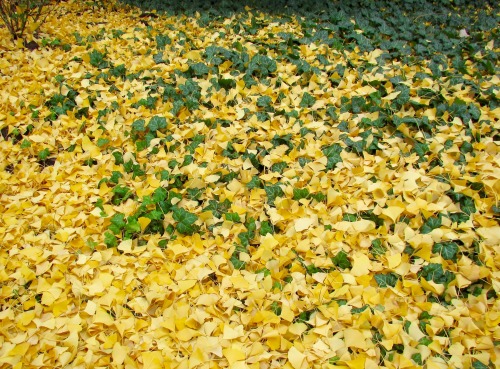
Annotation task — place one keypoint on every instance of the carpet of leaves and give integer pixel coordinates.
(249, 191)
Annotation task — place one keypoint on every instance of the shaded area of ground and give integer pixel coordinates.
(417, 28)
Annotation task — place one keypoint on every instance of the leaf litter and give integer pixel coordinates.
(180, 196)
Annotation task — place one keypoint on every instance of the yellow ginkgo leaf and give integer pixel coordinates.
(296, 358)
(152, 360)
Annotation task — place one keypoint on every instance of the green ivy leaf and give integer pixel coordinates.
(421, 148)
(198, 69)
(157, 123)
(272, 192)
(430, 224)
(232, 217)
(158, 58)
(110, 240)
(264, 101)
(359, 310)
(218, 208)
(162, 41)
(417, 358)
(102, 141)
(300, 193)
(237, 263)
(332, 153)
(44, 154)
(262, 66)
(138, 126)
(386, 280)
(279, 167)
(132, 226)
(185, 220)
(341, 260)
(466, 147)
(275, 306)
(226, 83)
(377, 248)
(141, 145)
(117, 223)
(195, 142)
(448, 250)
(265, 228)
(97, 59)
(307, 100)
(25, 144)
(434, 272)
(426, 341)
(121, 194)
(479, 365)
(350, 217)
(115, 176)
(118, 157)
(467, 205)
(159, 195)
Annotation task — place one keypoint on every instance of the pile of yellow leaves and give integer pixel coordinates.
(68, 300)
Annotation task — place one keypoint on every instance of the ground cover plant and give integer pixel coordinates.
(202, 185)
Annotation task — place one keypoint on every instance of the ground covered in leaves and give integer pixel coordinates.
(251, 190)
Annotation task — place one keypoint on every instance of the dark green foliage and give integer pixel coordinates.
(300, 193)
(156, 123)
(60, 104)
(430, 224)
(162, 41)
(120, 194)
(98, 59)
(467, 204)
(185, 221)
(265, 228)
(110, 240)
(341, 260)
(386, 280)
(332, 154)
(479, 365)
(434, 272)
(448, 250)
(43, 154)
(377, 249)
(261, 66)
(218, 208)
(272, 192)
(307, 100)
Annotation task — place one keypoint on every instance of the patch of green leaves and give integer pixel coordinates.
(273, 191)
(307, 100)
(448, 250)
(434, 272)
(265, 228)
(218, 208)
(185, 221)
(120, 194)
(98, 59)
(110, 240)
(377, 249)
(300, 193)
(43, 154)
(162, 41)
(261, 66)
(467, 204)
(341, 260)
(156, 123)
(332, 154)
(431, 224)
(386, 280)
